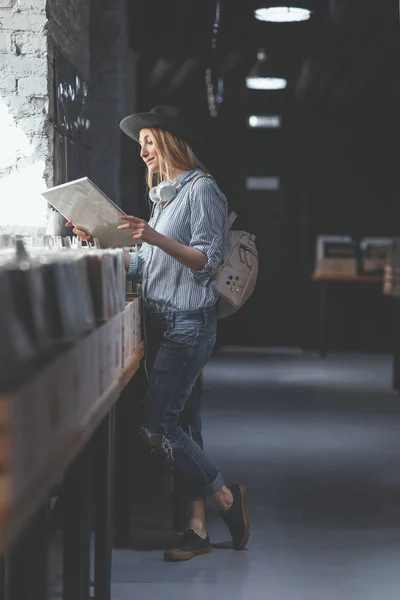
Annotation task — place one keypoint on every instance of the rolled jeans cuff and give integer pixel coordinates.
(215, 485)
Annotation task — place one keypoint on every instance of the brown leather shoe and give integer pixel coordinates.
(190, 545)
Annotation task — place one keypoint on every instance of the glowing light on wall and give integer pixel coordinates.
(263, 183)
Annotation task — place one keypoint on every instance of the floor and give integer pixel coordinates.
(317, 443)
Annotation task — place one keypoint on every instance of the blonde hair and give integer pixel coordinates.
(174, 154)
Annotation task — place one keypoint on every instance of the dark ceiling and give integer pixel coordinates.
(332, 155)
(343, 61)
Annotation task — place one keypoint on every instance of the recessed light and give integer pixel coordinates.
(268, 121)
(282, 14)
(266, 83)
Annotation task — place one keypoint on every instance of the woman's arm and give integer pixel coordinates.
(190, 257)
(208, 226)
(142, 232)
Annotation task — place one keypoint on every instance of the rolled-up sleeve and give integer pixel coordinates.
(135, 270)
(208, 224)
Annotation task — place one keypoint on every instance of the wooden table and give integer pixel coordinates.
(323, 281)
(23, 519)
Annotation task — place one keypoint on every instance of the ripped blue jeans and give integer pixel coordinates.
(179, 345)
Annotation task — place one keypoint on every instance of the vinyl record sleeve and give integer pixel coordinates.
(88, 208)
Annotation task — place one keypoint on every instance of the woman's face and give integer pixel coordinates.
(148, 151)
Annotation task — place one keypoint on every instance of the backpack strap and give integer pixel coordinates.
(231, 219)
(194, 181)
(232, 216)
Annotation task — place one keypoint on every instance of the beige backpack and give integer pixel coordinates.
(237, 275)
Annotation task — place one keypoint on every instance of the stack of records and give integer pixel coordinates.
(376, 253)
(50, 298)
(335, 256)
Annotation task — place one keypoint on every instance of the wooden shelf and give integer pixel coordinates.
(14, 512)
(348, 278)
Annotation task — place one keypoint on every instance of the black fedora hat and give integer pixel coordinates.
(160, 117)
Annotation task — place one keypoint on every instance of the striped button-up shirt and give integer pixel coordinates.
(199, 222)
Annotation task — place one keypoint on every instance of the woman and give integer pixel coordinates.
(182, 249)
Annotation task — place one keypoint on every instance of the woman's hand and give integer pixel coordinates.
(141, 230)
(81, 233)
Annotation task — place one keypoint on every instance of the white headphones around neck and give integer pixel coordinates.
(167, 190)
(163, 192)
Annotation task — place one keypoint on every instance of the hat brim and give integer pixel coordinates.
(133, 124)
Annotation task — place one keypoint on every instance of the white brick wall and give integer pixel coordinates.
(31, 86)
(6, 3)
(22, 21)
(23, 66)
(24, 102)
(8, 84)
(32, 44)
(21, 107)
(5, 42)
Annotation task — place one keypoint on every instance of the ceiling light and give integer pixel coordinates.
(282, 14)
(269, 121)
(266, 83)
(263, 75)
